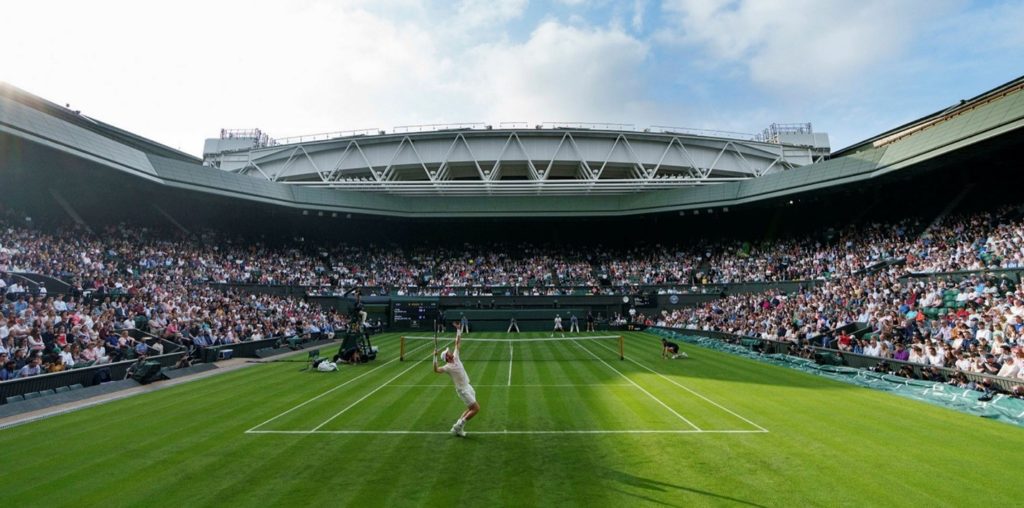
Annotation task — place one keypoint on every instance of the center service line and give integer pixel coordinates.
(510, 355)
(649, 394)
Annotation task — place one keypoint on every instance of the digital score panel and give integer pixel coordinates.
(644, 300)
(413, 315)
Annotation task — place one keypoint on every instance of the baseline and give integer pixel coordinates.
(506, 432)
(448, 385)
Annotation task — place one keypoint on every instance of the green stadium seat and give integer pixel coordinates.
(61, 389)
(33, 395)
(76, 386)
(15, 398)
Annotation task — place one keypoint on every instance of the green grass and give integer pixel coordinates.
(827, 444)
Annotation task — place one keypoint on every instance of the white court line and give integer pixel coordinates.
(510, 355)
(440, 385)
(649, 394)
(364, 397)
(328, 391)
(709, 401)
(504, 432)
(529, 339)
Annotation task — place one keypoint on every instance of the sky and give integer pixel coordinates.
(177, 72)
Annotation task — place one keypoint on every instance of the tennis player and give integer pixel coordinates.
(558, 326)
(454, 368)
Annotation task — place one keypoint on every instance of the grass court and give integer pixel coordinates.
(563, 423)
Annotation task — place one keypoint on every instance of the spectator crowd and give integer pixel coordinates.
(126, 282)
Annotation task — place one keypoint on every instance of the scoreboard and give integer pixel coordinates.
(413, 314)
(640, 300)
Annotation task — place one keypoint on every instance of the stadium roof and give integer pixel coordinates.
(28, 123)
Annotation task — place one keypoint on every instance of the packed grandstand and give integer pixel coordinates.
(170, 287)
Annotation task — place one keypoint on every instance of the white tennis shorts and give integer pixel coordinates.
(467, 394)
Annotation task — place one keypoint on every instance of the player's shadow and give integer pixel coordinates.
(660, 486)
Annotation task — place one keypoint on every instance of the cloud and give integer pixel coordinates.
(475, 13)
(639, 6)
(561, 73)
(802, 45)
(315, 66)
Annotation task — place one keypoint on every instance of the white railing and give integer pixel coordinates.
(433, 127)
(324, 136)
(588, 125)
(712, 133)
(438, 127)
(516, 187)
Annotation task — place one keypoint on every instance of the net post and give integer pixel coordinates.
(401, 349)
(622, 351)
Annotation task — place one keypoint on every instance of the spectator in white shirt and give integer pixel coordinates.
(1010, 369)
(962, 362)
(66, 357)
(935, 357)
(916, 356)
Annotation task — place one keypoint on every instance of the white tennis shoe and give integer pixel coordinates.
(457, 430)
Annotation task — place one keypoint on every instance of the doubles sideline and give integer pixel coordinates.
(709, 401)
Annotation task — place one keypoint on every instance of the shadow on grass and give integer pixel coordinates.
(660, 486)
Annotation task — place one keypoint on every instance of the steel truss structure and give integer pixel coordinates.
(539, 161)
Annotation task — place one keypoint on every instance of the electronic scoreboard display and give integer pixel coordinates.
(644, 300)
(414, 314)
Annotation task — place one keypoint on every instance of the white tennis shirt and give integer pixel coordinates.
(457, 371)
